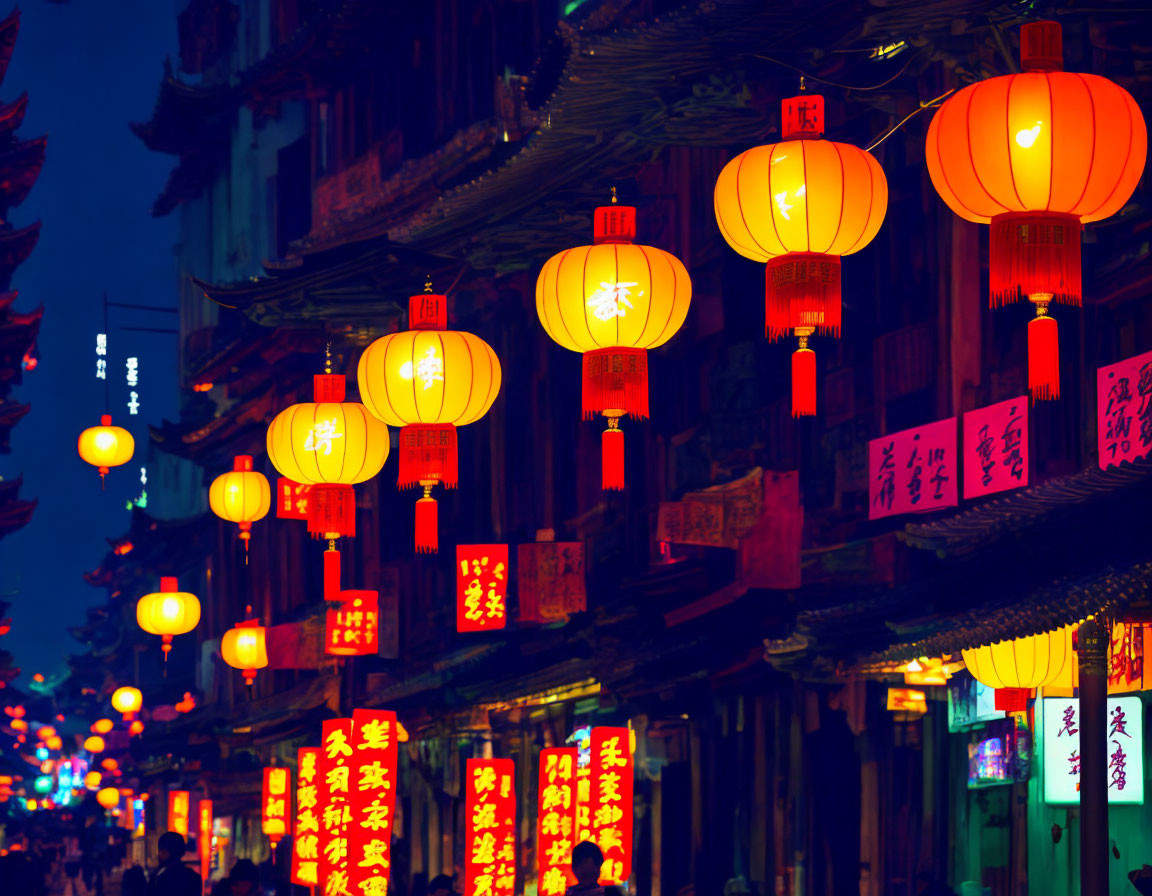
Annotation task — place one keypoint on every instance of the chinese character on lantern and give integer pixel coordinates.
(481, 587)
(305, 843)
(372, 800)
(490, 823)
(333, 787)
(354, 629)
(611, 801)
(556, 814)
(276, 803)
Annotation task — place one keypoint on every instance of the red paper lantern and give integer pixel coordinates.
(275, 804)
(481, 587)
(490, 828)
(1037, 155)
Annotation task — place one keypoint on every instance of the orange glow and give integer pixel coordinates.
(127, 700)
(92, 780)
(276, 802)
(46, 732)
(109, 764)
(124, 547)
(135, 728)
(243, 647)
(17, 712)
(108, 797)
(201, 387)
(187, 704)
(38, 677)
(102, 726)
(94, 744)
(18, 725)
(106, 446)
(55, 742)
(907, 700)
(168, 612)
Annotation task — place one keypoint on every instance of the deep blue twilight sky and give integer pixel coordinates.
(89, 67)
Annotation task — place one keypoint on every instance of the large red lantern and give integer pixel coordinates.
(799, 205)
(612, 302)
(1037, 155)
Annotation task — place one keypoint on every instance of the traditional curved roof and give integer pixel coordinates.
(12, 114)
(20, 164)
(9, 29)
(11, 413)
(16, 244)
(14, 512)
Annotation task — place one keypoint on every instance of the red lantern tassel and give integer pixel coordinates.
(803, 380)
(428, 453)
(615, 383)
(427, 524)
(1031, 253)
(802, 289)
(332, 511)
(1043, 356)
(612, 457)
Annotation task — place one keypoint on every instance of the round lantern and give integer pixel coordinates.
(1015, 667)
(612, 302)
(127, 700)
(109, 764)
(428, 380)
(241, 496)
(330, 444)
(102, 726)
(94, 744)
(168, 612)
(1037, 155)
(92, 780)
(243, 647)
(106, 446)
(108, 797)
(799, 205)
(137, 727)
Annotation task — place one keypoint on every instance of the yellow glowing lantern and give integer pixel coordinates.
(109, 764)
(330, 444)
(94, 744)
(243, 647)
(428, 380)
(106, 446)
(46, 732)
(55, 742)
(242, 496)
(18, 725)
(127, 700)
(1015, 667)
(612, 302)
(102, 726)
(137, 727)
(108, 797)
(92, 780)
(168, 612)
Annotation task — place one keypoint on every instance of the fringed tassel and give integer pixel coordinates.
(427, 524)
(428, 454)
(331, 574)
(612, 457)
(802, 289)
(332, 511)
(803, 380)
(615, 383)
(1043, 356)
(1033, 253)
(1012, 699)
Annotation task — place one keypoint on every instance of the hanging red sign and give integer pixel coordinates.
(490, 821)
(913, 470)
(550, 577)
(1124, 411)
(481, 587)
(275, 804)
(996, 447)
(205, 839)
(178, 812)
(333, 777)
(556, 825)
(353, 629)
(305, 842)
(292, 499)
(372, 801)
(611, 806)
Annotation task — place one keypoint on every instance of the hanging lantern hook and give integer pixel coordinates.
(428, 284)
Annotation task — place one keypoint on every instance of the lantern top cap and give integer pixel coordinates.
(614, 224)
(242, 463)
(802, 117)
(428, 311)
(328, 387)
(105, 419)
(1042, 47)
(168, 584)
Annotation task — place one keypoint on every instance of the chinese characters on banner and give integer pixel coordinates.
(996, 447)
(1062, 750)
(1124, 410)
(276, 804)
(551, 580)
(305, 843)
(372, 801)
(913, 470)
(1126, 658)
(481, 587)
(354, 629)
(611, 804)
(292, 499)
(490, 819)
(178, 809)
(205, 839)
(556, 820)
(332, 791)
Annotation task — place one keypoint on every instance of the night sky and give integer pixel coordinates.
(89, 68)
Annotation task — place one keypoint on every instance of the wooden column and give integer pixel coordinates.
(1093, 659)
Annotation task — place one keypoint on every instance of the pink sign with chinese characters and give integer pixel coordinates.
(996, 447)
(1124, 410)
(913, 471)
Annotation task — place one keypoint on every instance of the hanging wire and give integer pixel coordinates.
(903, 121)
(813, 77)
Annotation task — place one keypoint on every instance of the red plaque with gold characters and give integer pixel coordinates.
(490, 819)
(305, 843)
(333, 786)
(481, 587)
(179, 803)
(557, 820)
(372, 801)
(277, 802)
(611, 805)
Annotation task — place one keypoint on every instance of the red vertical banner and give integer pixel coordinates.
(305, 843)
(372, 801)
(490, 820)
(333, 786)
(611, 807)
(913, 471)
(1124, 411)
(276, 804)
(995, 447)
(481, 587)
(583, 802)
(354, 629)
(205, 839)
(178, 810)
(556, 820)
